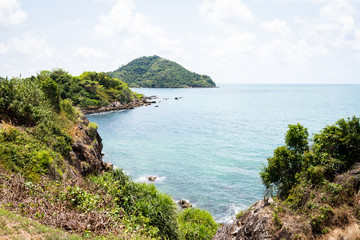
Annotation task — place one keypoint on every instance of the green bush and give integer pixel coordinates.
(21, 153)
(68, 108)
(145, 209)
(196, 224)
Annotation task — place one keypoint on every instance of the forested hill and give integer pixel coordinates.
(157, 72)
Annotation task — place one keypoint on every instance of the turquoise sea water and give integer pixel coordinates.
(209, 146)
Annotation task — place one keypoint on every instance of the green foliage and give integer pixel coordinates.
(89, 90)
(340, 142)
(321, 219)
(296, 138)
(156, 72)
(287, 161)
(144, 208)
(33, 104)
(304, 177)
(23, 102)
(82, 199)
(335, 149)
(66, 105)
(21, 153)
(277, 222)
(196, 224)
(51, 90)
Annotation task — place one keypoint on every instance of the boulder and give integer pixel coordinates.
(152, 178)
(184, 204)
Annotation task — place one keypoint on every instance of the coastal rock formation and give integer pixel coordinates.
(257, 223)
(86, 156)
(115, 106)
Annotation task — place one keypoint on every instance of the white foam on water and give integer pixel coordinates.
(231, 212)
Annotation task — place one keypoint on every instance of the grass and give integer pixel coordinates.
(14, 226)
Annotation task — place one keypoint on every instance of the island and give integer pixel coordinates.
(157, 72)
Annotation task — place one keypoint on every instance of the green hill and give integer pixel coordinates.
(157, 72)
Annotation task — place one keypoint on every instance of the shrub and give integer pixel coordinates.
(145, 209)
(67, 106)
(196, 224)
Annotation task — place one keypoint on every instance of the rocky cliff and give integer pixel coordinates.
(86, 155)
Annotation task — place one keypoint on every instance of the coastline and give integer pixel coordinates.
(116, 106)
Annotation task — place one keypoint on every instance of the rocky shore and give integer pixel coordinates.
(116, 106)
(256, 223)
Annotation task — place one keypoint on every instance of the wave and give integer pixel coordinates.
(231, 212)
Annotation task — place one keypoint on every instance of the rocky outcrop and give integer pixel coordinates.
(115, 106)
(184, 204)
(256, 223)
(86, 156)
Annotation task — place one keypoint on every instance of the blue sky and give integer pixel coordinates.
(233, 41)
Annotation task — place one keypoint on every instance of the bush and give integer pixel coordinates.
(145, 209)
(68, 108)
(196, 224)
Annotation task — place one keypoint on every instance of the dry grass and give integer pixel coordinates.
(40, 204)
(351, 232)
(13, 226)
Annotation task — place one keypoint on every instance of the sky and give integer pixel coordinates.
(232, 41)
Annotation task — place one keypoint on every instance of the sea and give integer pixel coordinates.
(208, 145)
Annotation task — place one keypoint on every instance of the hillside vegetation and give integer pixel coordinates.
(51, 169)
(319, 182)
(89, 90)
(157, 72)
(315, 188)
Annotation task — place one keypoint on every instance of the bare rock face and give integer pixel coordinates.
(86, 156)
(255, 224)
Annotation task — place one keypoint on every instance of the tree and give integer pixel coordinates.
(296, 138)
(51, 90)
(287, 161)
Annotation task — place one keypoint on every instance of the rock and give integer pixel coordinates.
(184, 204)
(115, 106)
(255, 224)
(151, 178)
(86, 156)
(156, 105)
(176, 98)
(109, 166)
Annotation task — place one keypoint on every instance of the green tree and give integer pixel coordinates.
(51, 90)
(287, 161)
(296, 138)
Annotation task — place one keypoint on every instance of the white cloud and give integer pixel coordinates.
(10, 13)
(336, 25)
(132, 32)
(3, 48)
(30, 44)
(219, 10)
(240, 43)
(276, 26)
(282, 51)
(123, 18)
(88, 52)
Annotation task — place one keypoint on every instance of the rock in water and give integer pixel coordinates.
(151, 178)
(184, 204)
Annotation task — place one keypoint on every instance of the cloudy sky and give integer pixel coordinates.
(233, 41)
